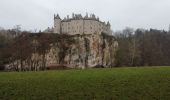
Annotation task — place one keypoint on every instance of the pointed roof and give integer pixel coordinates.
(57, 17)
(108, 23)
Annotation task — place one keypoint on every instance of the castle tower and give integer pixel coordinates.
(57, 24)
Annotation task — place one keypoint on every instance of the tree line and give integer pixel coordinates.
(143, 47)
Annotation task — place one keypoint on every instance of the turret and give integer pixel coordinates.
(109, 28)
(108, 25)
(73, 15)
(68, 17)
(87, 16)
(57, 24)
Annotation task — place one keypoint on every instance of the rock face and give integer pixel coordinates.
(78, 51)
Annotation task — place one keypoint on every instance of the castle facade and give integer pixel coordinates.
(80, 25)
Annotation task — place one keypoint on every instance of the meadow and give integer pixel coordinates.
(139, 83)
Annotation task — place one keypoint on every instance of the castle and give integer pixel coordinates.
(80, 25)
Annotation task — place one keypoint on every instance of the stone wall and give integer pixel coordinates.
(73, 27)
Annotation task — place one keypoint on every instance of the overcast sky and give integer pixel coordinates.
(38, 14)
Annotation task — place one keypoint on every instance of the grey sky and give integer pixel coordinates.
(38, 14)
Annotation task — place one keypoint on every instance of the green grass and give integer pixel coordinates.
(149, 83)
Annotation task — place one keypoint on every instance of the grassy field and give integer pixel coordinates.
(149, 83)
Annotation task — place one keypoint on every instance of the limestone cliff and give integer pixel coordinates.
(76, 51)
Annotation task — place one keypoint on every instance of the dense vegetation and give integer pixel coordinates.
(143, 47)
(144, 83)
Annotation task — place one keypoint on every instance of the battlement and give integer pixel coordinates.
(78, 17)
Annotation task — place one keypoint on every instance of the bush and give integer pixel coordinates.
(2, 67)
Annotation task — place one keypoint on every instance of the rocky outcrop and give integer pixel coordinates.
(76, 51)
